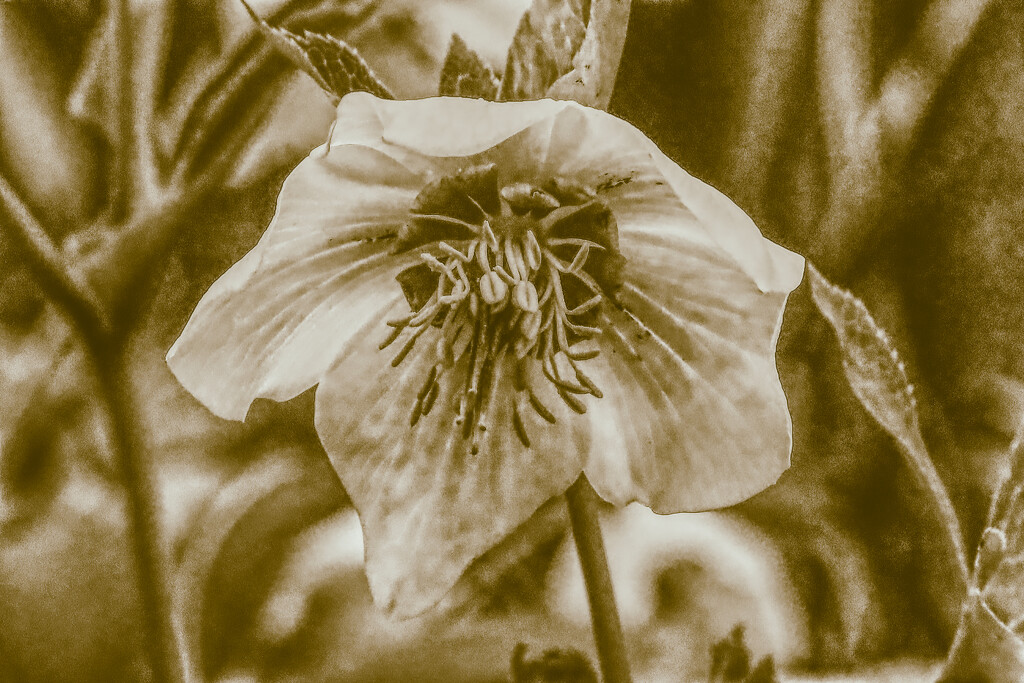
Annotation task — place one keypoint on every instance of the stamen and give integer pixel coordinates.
(582, 378)
(580, 259)
(540, 408)
(396, 361)
(587, 305)
(452, 251)
(431, 377)
(394, 334)
(515, 261)
(517, 423)
(526, 296)
(533, 252)
(550, 368)
(492, 288)
(583, 355)
(475, 229)
(574, 403)
(428, 401)
(502, 294)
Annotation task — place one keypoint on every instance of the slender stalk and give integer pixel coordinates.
(604, 614)
(144, 519)
(85, 312)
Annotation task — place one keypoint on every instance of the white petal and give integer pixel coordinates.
(439, 126)
(600, 150)
(428, 505)
(274, 322)
(693, 415)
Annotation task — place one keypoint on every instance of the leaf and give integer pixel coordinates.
(237, 546)
(879, 381)
(872, 365)
(984, 649)
(731, 660)
(464, 74)
(548, 37)
(334, 64)
(554, 666)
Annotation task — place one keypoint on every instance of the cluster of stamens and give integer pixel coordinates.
(507, 283)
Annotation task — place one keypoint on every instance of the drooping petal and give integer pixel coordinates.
(446, 126)
(694, 417)
(274, 322)
(428, 505)
(642, 186)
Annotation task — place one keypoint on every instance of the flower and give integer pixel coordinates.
(494, 298)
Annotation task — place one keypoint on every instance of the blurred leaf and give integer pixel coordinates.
(333, 64)
(554, 666)
(238, 545)
(985, 651)
(48, 157)
(464, 74)
(549, 35)
(879, 381)
(731, 659)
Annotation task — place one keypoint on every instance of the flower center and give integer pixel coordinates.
(520, 272)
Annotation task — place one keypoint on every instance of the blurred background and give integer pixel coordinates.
(885, 141)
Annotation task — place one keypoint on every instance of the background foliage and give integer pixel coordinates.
(883, 140)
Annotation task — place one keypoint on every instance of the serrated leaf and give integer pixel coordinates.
(334, 64)
(879, 380)
(548, 37)
(871, 362)
(464, 74)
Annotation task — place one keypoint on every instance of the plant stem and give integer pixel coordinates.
(153, 578)
(86, 314)
(604, 614)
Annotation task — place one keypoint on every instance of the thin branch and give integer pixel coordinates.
(596, 63)
(69, 289)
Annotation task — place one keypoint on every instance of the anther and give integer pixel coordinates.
(583, 355)
(581, 258)
(392, 336)
(533, 252)
(517, 422)
(428, 400)
(572, 401)
(514, 260)
(492, 288)
(526, 296)
(541, 409)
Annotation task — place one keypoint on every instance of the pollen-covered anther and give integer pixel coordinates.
(493, 289)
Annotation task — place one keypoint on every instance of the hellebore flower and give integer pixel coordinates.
(494, 298)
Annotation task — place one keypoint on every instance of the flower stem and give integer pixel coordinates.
(604, 614)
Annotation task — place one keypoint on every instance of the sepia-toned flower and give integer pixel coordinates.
(495, 298)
